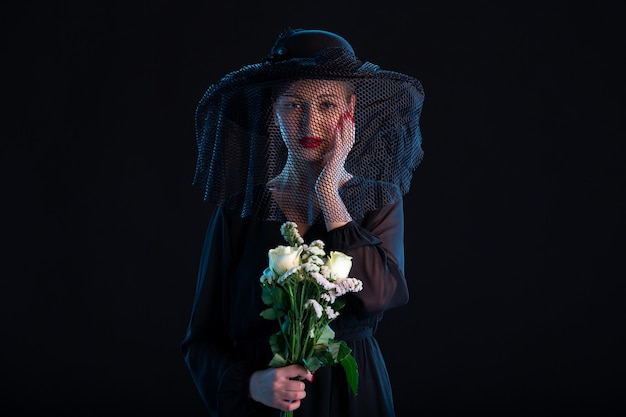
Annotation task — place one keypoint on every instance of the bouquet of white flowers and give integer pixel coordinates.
(302, 287)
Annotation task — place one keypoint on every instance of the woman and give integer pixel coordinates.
(314, 136)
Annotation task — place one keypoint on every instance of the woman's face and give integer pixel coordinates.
(308, 113)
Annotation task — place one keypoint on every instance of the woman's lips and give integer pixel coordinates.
(310, 142)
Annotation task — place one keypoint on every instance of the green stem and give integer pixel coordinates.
(293, 347)
(298, 326)
(278, 318)
(307, 341)
(312, 318)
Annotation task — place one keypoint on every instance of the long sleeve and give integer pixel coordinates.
(219, 374)
(377, 248)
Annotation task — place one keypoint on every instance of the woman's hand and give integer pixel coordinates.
(334, 171)
(280, 387)
(334, 174)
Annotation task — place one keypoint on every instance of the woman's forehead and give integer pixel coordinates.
(318, 87)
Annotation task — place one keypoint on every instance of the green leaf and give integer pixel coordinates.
(277, 343)
(327, 334)
(313, 364)
(352, 373)
(344, 350)
(333, 351)
(281, 298)
(286, 325)
(266, 296)
(338, 304)
(338, 349)
(269, 314)
(277, 361)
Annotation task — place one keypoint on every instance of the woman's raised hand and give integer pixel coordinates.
(334, 174)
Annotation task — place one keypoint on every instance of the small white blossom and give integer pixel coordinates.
(310, 267)
(346, 285)
(289, 273)
(357, 284)
(332, 314)
(316, 306)
(321, 280)
(329, 297)
(318, 243)
(324, 270)
(317, 260)
(289, 230)
(316, 250)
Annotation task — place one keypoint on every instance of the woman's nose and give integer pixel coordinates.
(308, 121)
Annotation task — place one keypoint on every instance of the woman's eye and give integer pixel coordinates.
(328, 105)
(289, 105)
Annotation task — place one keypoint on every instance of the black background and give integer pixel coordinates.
(514, 224)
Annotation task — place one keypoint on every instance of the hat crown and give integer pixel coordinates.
(305, 43)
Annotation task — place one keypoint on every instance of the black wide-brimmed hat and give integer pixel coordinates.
(237, 152)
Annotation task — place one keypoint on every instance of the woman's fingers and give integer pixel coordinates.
(291, 385)
(281, 388)
(343, 141)
(296, 372)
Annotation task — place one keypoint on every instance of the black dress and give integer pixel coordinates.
(227, 339)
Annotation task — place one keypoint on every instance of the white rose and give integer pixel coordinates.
(283, 258)
(339, 263)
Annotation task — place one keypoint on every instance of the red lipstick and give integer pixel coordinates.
(310, 142)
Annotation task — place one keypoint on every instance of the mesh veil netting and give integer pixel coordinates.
(308, 139)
